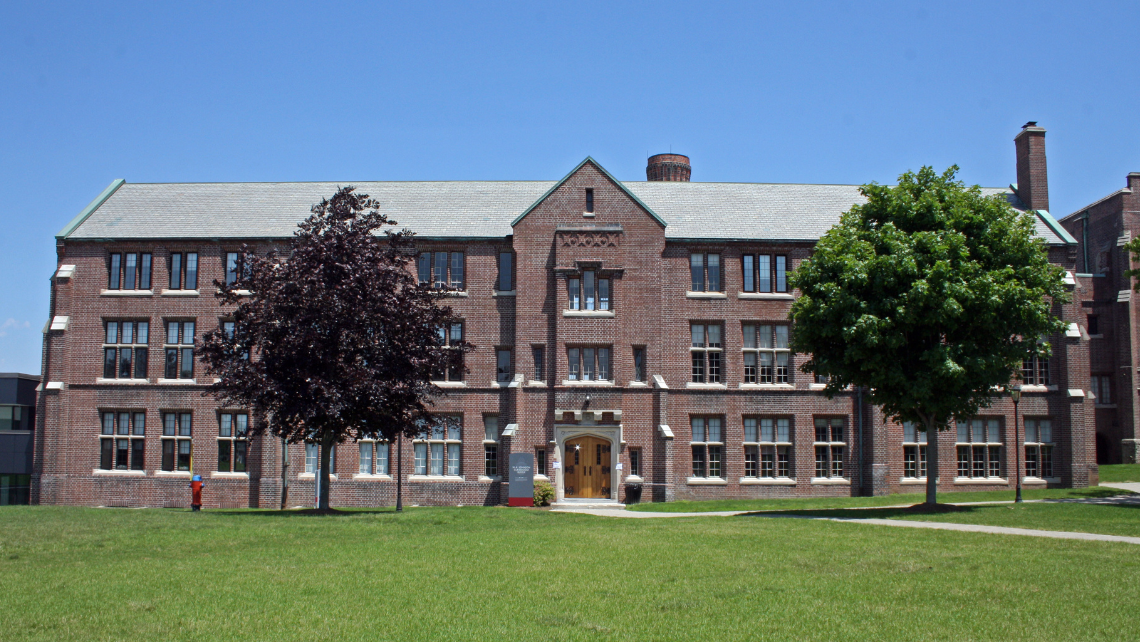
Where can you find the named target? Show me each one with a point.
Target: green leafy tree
(929, 296)
(337, 340)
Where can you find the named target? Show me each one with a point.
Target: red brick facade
(652, 307)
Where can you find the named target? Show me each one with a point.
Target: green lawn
(852, 502)
(1120, 473)
(516, 574)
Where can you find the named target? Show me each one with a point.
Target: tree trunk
(326, 456)
(931, 462)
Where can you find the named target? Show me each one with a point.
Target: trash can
(633, 493)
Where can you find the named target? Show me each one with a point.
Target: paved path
(1132, 486)
(971, 528)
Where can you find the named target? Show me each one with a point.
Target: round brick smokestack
(668, 167)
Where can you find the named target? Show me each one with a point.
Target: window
(451, 337)
(588, 364)
(766, 353)
(1035, 371)
(374, 457)
(705, 270)
(122, 441)
(639, 364)
(506, 272)
(706, 352)
(979, 448)
(15, 489)
(829, 447)
(1102, 389)
(539, 355)
(759, 275)
(438, 452)
(540, 461)
(1038, 447)
(233, 431)
(503, 371)
(635, 462)
(184, 271)
(443, 270)
(176, 446)
(313, 458)
(1094, 324)
(822, 379)
(914, 451)
(767, 447)
(708, 446)
(179, 349)
(129, 271)
(491, 445)
(125, 349)
(234, 267)
(589, 199)
(588, 292)
(16, 418)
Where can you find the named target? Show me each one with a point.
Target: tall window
(1038, 447)
(233, 432)
(503, 371)
(538, 354)
(125, 349)
(123, 440)
(635, 462)
(705, 270)
(829, 447)
(450, 337)
(589, 292)
(708, 446)
(234, 267)
(979, 448)
(184, 271)
(767, 447)
(179, 349)
(374, 456)
(438, 453)
(766, 353)
(764, 272)
(129, 271)
(588, 364)
(1035, 371)
(491, 445)
(176, 445)
(1102, 389)
(914, 451)
(506, 271)
(442, 270)
(1094, 324)
(590, 199)
(706, 352)
(639, 364)
(540, 461)
(313, 458)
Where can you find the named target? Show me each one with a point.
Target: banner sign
(521, 477)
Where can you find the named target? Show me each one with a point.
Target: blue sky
(832, 92)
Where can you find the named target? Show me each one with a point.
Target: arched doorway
(587, 472)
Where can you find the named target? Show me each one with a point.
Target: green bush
(543, 493)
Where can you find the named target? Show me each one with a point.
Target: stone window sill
(767, 386)
(120, 473)
(817, 386)
(179, 293)
(830, 481)
(706, 481)
(122, 382)
(497, 293)
(540, 477)
(435, 478)
(705, 295)
(461, 294)
(238, 292)
(638, 384)
(588, 314)
(634, 479)
(765, 296)
(492, 478)
(705, 386)
(177, 382)
(126, 293)
(450, 384)
(536, 384)
(592, 382)
(314, 476)
(979, 481)
(1036, 388)
(767, 481)
(221, 474)
(173, 474)
(371, 477)
(1041, 480)
(912, 481)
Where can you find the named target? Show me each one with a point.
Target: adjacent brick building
(632, 335)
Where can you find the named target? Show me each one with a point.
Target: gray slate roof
(469, 209)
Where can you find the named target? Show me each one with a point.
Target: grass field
(516, 574)
(1120, 473)
(885, 500)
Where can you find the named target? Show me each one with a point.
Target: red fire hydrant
(196, 492)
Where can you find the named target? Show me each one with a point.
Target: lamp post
(1015, 394)
(399, 473)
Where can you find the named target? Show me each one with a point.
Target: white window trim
(221, 474)
(633, 479)
(979, 481)
(190, 293)
(597, 314)
(126, 293)
(121, 473)
(495, 293)
(119, 382)
(185, 474)
(767, 481)
(777, 480)
(772, 386)
(313, 476)
(705, 295)
(490, 478)
(435, 478)
(177, 382)
(706, 481)
(766, 296)
(450, 384)
(371, 477)
(591, 382)
(830, 481)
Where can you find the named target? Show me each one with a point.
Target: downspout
(284, 472)
(859, 405)
(1085, 241)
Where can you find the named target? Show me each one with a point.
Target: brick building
(1110, 313)
(627, 333)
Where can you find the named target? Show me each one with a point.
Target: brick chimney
(668, 167)
(1032, 177)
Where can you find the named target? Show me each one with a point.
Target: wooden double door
(587, 474)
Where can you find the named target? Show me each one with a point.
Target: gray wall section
(15, 453)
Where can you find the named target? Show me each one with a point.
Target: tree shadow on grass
(308, 512)
(867, 513)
